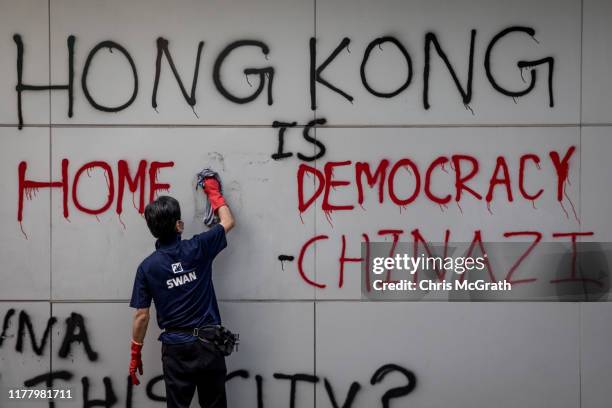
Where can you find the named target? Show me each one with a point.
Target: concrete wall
(69, 268)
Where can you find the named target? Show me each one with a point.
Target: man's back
(178, 277)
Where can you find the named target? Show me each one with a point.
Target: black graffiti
(355, 387)
(129, 395)
(162, 49)
(148, 390)
(313, 140)
(48, 379)
(429, 40)
(285, 258)
(315, 72)
(366, 56)
(259, 384)
(280, 151)
(26, 323)
(350, 396)
(150, 385)
(551, 67)
(76, 332)
(266, 74)
(109, 400)
(466, 94)
(238, 373)
(5, 324)
(397, 392)
(110, 45)
(294, 378)
(25, 87)
(521, 65)
(262, 72)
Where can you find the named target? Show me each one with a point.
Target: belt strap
(194, 331)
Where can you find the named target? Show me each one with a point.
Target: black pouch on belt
(226, 341)
(223, 339)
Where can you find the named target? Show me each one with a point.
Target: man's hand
(213, 191)
(139, 329)
(135, 362)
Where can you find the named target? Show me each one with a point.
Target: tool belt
(224, 340)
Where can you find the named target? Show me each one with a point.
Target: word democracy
(424, 179)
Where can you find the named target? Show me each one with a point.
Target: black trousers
(194, 365)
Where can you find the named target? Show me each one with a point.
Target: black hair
(162, 215)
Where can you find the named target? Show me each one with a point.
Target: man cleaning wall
(178, 278)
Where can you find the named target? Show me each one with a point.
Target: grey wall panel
(20, 360)
(24, 247)
(109, 353)
(463, 355)
(596, 60)
(30, 20)
(596, 175)
(595, 359)
(466, 355)
(269, 223)
(557, 34)
(276, 340)
(262, 353)
(596, 197)
(462, 218)
(284, 27)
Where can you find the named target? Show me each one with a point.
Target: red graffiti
(418, 239)
(460, 179)
(134, 183)
(300, 264)
(379, 174)
(573, 278)
(332, 183)
(522, 165)
(537, 238)
(477, 248)
(26, 187)
(386, 179)
(70, 185)
(413, 169)
(562, 169)
(110, 185)
(440, 161)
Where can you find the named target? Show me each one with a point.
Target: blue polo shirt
(178, 278)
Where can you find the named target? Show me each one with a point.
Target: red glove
(135, 362)
(213, 191)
